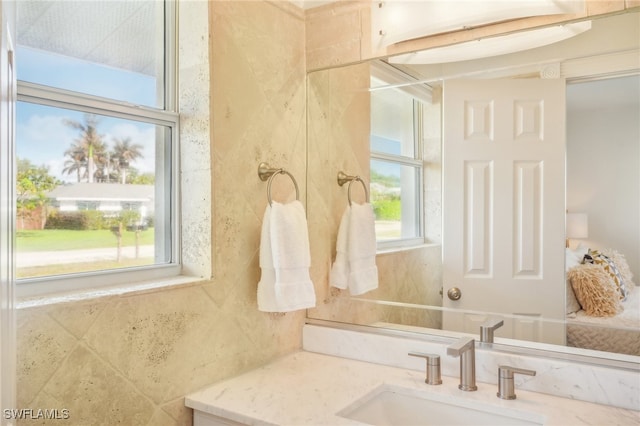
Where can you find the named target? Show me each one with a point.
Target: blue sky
(387, 146)
(41, 134)
(55, 70)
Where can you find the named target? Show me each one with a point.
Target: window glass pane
(395, 200)
(89, 192)
(112, 49)
(392, 123)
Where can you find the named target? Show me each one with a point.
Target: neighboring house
(105, 197)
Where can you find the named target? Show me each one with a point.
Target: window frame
(417, 162)
(168, 117)
(396, 78)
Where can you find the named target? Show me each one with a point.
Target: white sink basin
(391, 405)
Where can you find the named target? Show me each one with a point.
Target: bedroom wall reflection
(410, 280)
(603, 181)
(602, 131)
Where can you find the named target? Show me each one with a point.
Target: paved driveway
(42, 258)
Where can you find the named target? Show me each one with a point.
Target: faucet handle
(460, 346)
(506, 387)
(487, 329)
(433, 376)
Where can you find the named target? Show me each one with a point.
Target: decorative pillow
(595, 257)
(623, 267)
(595, 290)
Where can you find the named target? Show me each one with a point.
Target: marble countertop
(307, 388)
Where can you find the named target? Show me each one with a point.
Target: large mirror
(386, 121)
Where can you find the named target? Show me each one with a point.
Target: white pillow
(572, 259)
(572, 304)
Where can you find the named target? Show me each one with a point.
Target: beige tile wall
(130, 360)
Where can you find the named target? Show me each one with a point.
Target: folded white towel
(363, 274)
(355, 265)
(340, 270)
(285, 284)
(267, 285)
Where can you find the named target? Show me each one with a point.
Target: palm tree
(125, 152)
(77, 161)
(90, 141)
(106, 167)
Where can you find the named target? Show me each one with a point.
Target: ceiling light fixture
(493, 46)
(394, 21)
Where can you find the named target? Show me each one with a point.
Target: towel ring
(267, 173)
(344, 178)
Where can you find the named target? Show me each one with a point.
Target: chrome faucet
(465, 348)
(487, 329)
(506, 386)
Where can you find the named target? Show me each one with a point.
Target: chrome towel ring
(266, 173)
(344, 178)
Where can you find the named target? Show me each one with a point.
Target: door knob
(454, 293)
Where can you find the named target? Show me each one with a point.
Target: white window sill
(113, 291)
(400, 249)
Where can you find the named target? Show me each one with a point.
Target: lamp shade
(577, 225)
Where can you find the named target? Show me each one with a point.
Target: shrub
(90, 220)
(387, 209)
(67, 220)
(94, 219)
(79, 220)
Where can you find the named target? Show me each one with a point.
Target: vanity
(348, 376)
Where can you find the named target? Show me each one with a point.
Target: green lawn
(61, 239)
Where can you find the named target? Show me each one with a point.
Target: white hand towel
(267, 285)
(363, 274)
(355, 265)
(285, 284)
(340, 270)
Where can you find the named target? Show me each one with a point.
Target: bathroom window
(96, 143)
(396, 165)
